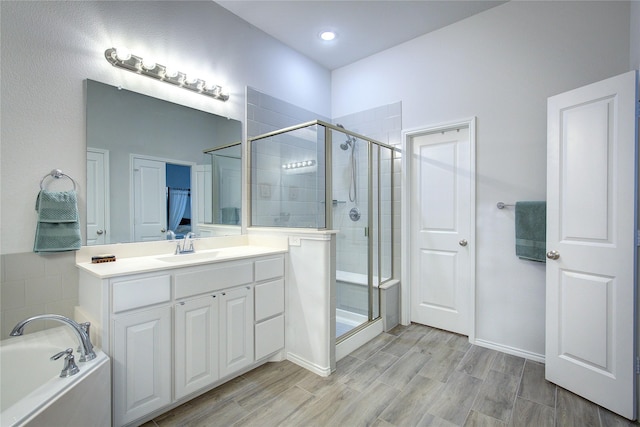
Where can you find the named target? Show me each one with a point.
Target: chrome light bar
(121, 58)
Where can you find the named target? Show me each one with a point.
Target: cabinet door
(196, 349)
(236, 329)
(142, 363)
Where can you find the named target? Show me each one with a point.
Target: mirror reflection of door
(161, 199)
(97, 196)
(149, 199)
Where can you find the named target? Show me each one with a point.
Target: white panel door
(441, 229)
(97, 196)
(591, 193)
(149, 199)
(196, 348)
(236, 329)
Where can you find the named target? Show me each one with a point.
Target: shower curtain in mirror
(178, 198)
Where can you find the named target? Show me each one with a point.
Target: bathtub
(32, 392)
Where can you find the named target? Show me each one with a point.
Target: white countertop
(145, 264)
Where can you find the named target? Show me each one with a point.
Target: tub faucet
(70, 367)
(86, 348)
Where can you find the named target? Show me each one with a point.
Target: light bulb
(171, 72)
(123, 54)
(148, 64)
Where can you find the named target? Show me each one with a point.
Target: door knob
(99, 232)
(162, 230)
(463, 242)
(553, 254)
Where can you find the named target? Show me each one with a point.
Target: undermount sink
(195, 256)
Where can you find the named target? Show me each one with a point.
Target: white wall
(499, 66)
(49, 48)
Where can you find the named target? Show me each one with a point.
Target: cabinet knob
(181, 303)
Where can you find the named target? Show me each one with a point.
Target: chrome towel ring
(57, 174)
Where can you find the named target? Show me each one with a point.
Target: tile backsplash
(34, 284)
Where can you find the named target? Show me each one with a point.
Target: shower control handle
(463, 242)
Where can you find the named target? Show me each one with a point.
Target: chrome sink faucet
(86, 347)
(187, 244)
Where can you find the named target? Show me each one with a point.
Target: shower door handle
(463, 242)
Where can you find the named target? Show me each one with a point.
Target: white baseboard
(510, 350)
(323, 372)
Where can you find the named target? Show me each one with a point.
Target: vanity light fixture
(122, 58)
(298, 165)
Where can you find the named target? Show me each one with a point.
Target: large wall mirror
(156, 169)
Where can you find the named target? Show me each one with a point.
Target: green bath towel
(58, 227)
(57, 206)
(531, 230)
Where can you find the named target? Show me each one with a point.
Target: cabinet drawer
(269, 299)
(269, 336)
(269, 268)
(141, 292)
(212, 279)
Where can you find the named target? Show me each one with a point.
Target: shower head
(349, 142)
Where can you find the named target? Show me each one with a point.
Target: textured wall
(499, 66)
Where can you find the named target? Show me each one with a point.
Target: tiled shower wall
(383, 124)
(282, 198)
(36, 284)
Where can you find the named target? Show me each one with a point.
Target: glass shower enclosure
(317, 175)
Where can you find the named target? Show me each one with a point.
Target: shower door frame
(328, 213)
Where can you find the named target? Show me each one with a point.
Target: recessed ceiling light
(327, 35)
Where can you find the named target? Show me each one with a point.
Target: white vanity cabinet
(269, 307)
(142, 363)
(213, 338)
(141, 345)
(236, 330)
(182, 330)
(196, 352)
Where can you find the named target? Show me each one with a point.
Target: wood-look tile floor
(411, 376)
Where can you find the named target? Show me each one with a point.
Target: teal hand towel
(57, 206)
(57, 237)
(531, 230)
(58, 227)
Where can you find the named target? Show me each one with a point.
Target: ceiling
(363, 27)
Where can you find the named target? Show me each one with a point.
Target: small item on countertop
(97, 259)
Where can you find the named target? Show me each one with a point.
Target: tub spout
(86, 347)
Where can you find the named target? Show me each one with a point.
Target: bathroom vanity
(176, 326)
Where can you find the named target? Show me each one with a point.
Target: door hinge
(638, 238)
(637, 365)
